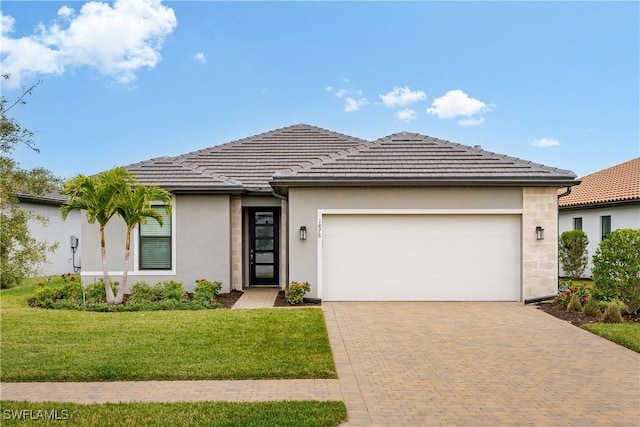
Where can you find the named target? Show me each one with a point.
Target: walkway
(257, 298)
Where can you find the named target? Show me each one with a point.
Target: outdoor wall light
(539, 233)
(303, 233)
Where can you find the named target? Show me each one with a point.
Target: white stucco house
(63, 259)
(604, 201)
(406, 217)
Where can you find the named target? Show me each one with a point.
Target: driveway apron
(430, 363)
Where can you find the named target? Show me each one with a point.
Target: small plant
(46, 296)
(613, 313)
(582, 289)
(572, 251)
(95, 292)
(143, 292)
(206, 291)
(575, 303)
(171, 290)
(295, 292)
(592, 308)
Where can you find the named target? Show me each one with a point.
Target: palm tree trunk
(105, 271)
(127, 254)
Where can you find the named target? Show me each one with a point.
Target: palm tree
(99, 196)
(135, 207)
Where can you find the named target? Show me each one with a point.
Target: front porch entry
(263, 246)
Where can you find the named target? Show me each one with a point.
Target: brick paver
(477, 364)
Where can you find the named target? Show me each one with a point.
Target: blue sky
(551, 82)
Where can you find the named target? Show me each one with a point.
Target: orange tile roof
(615, 184)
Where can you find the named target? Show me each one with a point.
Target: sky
(555, 83)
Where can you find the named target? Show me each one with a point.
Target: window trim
(136, 248)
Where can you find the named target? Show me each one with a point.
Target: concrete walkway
(429, 364)
(257, 298)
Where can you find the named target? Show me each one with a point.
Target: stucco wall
(621, 217)
(305, 202)
(56, 230)
(201, 245)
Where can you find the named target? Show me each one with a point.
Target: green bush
(143, 292)
(295, 292)
(46, 296)
(592, 308)
(171, 290)
(612, 314)
(581, 289)
(616, 267)
(71, 291)
(573, 254)
(206, 291)
(95, 294)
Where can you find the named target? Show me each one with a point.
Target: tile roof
(411, 157)
(54, 198)
(620, 183)
(246, 163)
(304, 153)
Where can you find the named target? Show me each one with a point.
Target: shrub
(575, 303)
(592, 308)
(572, 251)
(95, 294)
(613, 313)
(171, 290)
(582, 289)
(71, 291)
(295, 292)
(616, 267)
(143, 292)
(46, 296)
(206, 291)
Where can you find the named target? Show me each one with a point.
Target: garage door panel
(421, 257)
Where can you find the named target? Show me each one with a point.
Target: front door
(264, 230)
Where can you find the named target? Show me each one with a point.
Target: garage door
(421, 258)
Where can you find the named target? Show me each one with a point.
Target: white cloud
(352, 105)
(345, 80)
(406, 115)
(341, 92)
(117, 40)
(401, 96)
(199, 57)
(328, 89)
(545, 142)
(471, 122)
(456, 103)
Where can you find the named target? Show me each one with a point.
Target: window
(577, 223)
(605, 225)
(155, 242)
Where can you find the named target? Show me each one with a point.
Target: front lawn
(65, 345)
(625, 334)
(177, 414)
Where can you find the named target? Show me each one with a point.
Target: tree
(20, 253)
(135, 208)
(99, 196)
(616, 267)
(572, 250)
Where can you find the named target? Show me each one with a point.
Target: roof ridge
(635, 159)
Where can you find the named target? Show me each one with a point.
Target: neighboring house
(405, 217)
(604, 201)
(56, 230)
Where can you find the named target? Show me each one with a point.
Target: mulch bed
(228, 300)
(575, 317)
(280, 302)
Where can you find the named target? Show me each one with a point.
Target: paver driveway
(477, 364)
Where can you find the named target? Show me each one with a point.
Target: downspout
(566, 193)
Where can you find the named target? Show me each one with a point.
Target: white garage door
(421, 258)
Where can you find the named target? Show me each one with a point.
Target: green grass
(64, 345)
(183, 414)
(625, 334)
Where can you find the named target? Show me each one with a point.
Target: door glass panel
(264, 271)
(264, 231)
(264, 244)
(264, 218)
(264, 257)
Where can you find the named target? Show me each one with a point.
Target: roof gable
(411, 157)
(620, 183)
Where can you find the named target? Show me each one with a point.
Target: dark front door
(264, 229)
